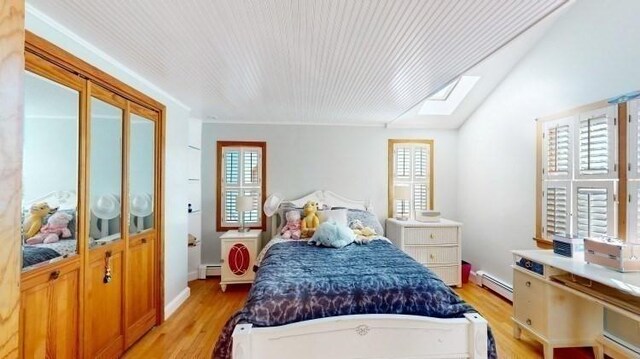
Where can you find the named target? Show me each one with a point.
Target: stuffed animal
(57, 227)
(292, 228)
(33, 222)
(332, 234)
(310, 222)
(363, 234)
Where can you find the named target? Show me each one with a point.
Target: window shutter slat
(559, 150)
(232, 167)
(403, 162)
(594, 146)
(592, 212)
(557, 208)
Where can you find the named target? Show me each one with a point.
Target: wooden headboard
(322, 197)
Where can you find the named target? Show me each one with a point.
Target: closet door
(104, 271)
(50, 280)
(140, 308)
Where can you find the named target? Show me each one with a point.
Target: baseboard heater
(209, 270)
(485, 279)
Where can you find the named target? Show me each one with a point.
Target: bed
(317, 302)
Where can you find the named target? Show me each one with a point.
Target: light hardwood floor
(193, 330)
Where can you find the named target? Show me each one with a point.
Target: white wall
(589, 54)
(175, 196)
(351, 161)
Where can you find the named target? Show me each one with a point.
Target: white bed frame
(362, 336)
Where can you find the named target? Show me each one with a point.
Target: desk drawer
(446, 235)
(433, 254)
(529, 302)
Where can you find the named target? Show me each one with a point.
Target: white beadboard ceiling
(299, 61)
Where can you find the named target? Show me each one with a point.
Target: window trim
(430, 181)
(263, 186)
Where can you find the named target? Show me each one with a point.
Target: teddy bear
(56, 228)
(33, 222)
(310, 222)
(292, 228)
(363, 234)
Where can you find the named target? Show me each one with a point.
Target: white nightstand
(436, 245)
(239, 251)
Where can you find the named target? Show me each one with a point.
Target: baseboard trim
(209, 270)
(475, 279)
(176, 303)
(192, 276)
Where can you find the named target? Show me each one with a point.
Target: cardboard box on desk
(617, 255)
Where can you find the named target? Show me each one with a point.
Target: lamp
(244, 204)
(402, 193)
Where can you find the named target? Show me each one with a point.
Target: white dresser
(239, 252)
(436, 245)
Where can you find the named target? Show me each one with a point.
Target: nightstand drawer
(449, 274)
(444, 235)
(529, 302)
(433, 255)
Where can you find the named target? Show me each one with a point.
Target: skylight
(444, 92)
(447, 100)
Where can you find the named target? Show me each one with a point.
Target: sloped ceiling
(299, 61)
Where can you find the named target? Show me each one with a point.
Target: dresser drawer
(450, 275)
(529, 302)
(433, 254)
(444, 235)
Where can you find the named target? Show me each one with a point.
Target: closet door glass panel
(50, 171)
(141, 174)
(105, 166)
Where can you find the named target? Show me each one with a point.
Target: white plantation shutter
(558, 148)
(594, 209)
(241, 173)
(556, 209)
(412, 167)
(596, 140)
(633, 212)
(633, 139)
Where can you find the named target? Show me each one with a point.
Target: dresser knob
(432, 236)
(528, 321)
(431, 256)
(54, 275)
(528, 284)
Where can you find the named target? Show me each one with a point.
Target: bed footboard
(365, 336)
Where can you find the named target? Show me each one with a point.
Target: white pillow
(337, 215)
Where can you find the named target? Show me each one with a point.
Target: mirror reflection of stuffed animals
(310, 222)
(33, 223)
(57, 228)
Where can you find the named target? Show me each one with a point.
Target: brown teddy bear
(33, 222)
(310, 222)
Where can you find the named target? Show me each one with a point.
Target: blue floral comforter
(297, 282)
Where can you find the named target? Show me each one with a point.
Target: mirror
(105, 167)
(50, 171)
(141, 174)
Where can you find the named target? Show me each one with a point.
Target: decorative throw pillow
(368, 219)
(337, 215)
(332, 234)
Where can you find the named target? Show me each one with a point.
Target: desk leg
(598, 351)
(516, 331)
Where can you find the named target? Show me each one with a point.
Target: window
(411, 165)
(241, 171)
(579, 179)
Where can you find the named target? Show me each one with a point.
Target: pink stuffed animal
(292, 228)
(56, 228)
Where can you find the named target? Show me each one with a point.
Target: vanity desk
(566, 302)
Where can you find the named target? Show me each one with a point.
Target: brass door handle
(143, 240)
(55, 274)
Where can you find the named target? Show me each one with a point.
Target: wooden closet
(98, 289)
